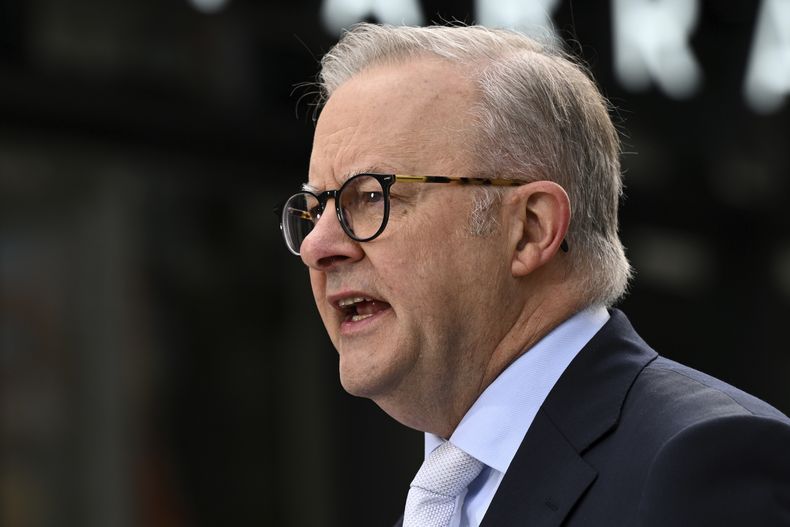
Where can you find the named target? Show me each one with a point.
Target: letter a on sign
(532, 17)
(340, 14)
(768, 74)
(651, 42)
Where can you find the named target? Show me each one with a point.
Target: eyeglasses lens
(299, 216)
(362, 206)
(362, 211)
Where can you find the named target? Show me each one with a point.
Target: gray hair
(539, 116)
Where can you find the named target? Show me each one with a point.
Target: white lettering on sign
(531, 17)
(339, 14)
(768, 73)
(651, 42)
(209, 6)
(651, 38)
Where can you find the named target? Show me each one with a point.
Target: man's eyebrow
(372, 169)
(307, 187)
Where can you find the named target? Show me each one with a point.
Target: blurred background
(161, 360)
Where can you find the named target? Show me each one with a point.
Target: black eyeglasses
(362, 205)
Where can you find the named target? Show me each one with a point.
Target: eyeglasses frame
(386, 181)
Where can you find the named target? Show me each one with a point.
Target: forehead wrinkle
(336, 148)
(348, 150)
(398, 119)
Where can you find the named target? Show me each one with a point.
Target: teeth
(351, 301)
(357, 318)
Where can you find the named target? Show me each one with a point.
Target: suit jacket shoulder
(630, 438)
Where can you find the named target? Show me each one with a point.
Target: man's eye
(373, 197)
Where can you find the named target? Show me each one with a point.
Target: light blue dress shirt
(495, 425)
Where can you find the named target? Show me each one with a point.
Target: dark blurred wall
(161, 361)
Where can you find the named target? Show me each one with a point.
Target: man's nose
(328, 245)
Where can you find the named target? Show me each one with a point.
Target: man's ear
(540, 213)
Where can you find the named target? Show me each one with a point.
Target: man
(460, 227)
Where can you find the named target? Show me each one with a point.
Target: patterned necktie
(444, 475)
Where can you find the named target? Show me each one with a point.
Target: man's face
(438, 293)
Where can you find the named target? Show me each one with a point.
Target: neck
(534, 322)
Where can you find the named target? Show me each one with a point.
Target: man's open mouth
(359, 308)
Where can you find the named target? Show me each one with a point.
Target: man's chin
(368, 384)
(367, 388)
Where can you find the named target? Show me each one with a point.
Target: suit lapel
(548, 475)
(554, 476)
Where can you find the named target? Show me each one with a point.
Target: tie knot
(447, 471)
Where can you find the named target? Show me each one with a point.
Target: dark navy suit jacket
(627, 437)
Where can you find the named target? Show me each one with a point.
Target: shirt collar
(495, 425)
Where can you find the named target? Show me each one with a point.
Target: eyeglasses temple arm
(479, 181)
